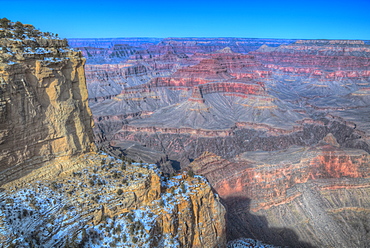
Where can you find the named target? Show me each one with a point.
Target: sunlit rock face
(44, 109)
(279, 128)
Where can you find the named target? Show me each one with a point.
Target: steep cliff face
(44, 110)
(56, 189)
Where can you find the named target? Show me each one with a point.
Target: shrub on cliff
(4, 22)
(119, 192)
(18, 29)
(183, 188)
(18, 25)
(3, 50)
(190, 173)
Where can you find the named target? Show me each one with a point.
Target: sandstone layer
(44, 110)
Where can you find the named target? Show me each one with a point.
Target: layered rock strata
(111, 51)
(299, 197)
(325, 59)
(44, 110)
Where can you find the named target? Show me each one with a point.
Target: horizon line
(213, 37)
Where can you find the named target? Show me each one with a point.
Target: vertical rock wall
(43, 108)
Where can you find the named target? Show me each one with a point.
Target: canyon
(183, 142)
(56, 188)
(280, 128)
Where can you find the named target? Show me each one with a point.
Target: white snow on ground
(248, 243)
(53, 59)
(58, 213)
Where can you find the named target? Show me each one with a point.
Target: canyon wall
(110, 50)
(44, 110)
(298, 197)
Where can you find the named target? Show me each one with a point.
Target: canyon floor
(280, 128)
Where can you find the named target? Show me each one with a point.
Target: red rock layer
(308, 60)
(204, 86)
(177, 82)
(196, 95)
(316, 71)
(325, 59)
(268, 184)
(334, 164)
(207, 68)
(271, 131)
(223, 66)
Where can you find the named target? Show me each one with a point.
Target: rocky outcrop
(207, 68)
(196, 95)
(107, 81)
(244, 88)
(186, 144)
(44, 110)
(206, 86)
(223, 65)
(113, 54)
(98, 200)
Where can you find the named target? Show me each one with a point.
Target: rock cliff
(44, 110)
(56, 189)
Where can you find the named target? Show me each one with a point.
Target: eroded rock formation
(44, 110)
(95, 199)
(299, 192)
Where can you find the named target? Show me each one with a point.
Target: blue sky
(296, 19)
